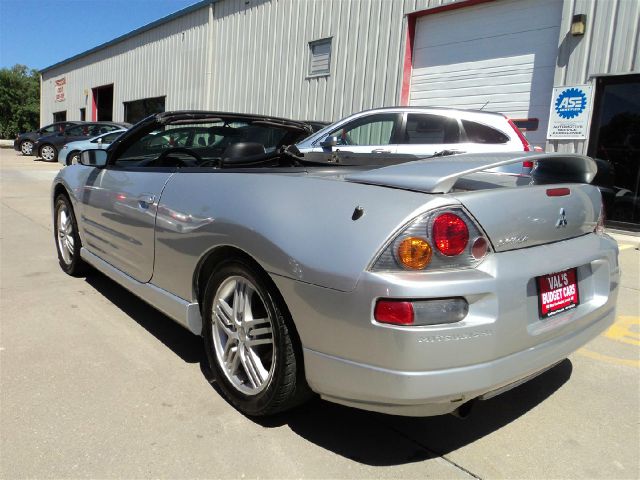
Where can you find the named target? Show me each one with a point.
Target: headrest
(242, 152)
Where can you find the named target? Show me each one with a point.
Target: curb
(626, 237)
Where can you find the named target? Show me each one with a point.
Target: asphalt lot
(96, 383)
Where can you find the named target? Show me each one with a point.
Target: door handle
(145, 200)
(380, 150)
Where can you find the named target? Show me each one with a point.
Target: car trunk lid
(533, 215)
(515, 211)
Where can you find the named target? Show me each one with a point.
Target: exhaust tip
(464, 410)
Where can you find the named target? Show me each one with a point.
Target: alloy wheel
(26, 147)
(65, 234)
(48, 153)
(243, 335)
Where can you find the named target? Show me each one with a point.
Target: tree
(19, 100)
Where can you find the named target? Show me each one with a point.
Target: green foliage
(19, 100)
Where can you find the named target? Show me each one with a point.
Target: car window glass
(98, 129)
(370, 130)
(78, 130)
(430, 129)
(478, 133)
(202, 138)
(49, 129)
(110, 137)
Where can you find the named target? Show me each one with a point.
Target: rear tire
(73, 158)
(250, 341)
(68, 244)
(48, 153)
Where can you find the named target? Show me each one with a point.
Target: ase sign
(569, 116)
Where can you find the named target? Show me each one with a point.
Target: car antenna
(482, 108)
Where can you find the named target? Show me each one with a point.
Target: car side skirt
(183, 312)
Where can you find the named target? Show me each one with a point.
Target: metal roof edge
(133, 33)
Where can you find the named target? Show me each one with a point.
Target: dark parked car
(24, 141)
(48, 147)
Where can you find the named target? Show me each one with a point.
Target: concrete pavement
(95, 383)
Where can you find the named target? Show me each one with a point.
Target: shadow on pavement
(382, 440)
(177, 338)
(365, 437)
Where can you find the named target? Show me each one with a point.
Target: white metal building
(325, 59)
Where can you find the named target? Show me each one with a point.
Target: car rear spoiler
(439, 175)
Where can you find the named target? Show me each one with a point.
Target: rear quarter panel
(296, 226)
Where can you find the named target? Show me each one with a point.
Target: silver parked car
(414, 288)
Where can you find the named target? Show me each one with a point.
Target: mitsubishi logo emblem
(562, 219)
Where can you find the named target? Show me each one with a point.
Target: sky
(40, 33)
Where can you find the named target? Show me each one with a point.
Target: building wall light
(578, 24)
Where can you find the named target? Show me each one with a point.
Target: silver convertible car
(400, 285)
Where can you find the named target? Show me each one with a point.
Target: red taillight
(523, 139)
(450, 234)
(558, 192)
(394, 312)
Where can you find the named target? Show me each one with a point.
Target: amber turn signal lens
(414, 253)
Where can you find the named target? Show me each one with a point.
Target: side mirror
(99, 141)
(329, 142)
(94, 158)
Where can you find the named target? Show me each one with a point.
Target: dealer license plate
(557, 292)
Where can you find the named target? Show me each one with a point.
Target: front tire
(26, 147)
(250, 342)
(48, 153)
(67, 238)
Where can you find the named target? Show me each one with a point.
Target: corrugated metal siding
(261, 57)
(259, 60)
(254, 57)
(170, 60)
(609, 46)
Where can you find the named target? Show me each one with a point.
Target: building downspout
(209, 74)
(41, 103)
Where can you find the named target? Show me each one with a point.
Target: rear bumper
(430, 370)
(441, 391)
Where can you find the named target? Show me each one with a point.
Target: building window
(60, 116)
(320, 57)
(83, 114)
(139, 109)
